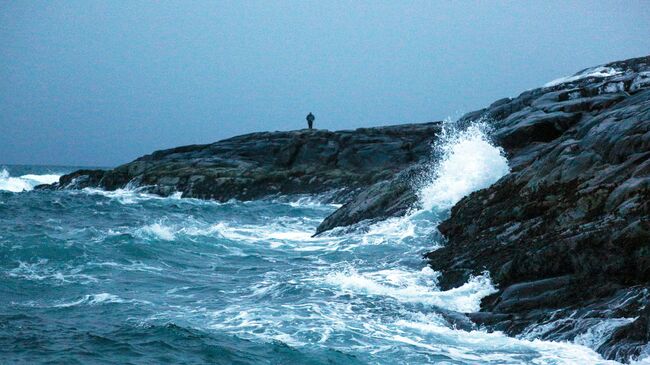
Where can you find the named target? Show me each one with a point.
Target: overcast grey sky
(101, 83)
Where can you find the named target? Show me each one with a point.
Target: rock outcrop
(566, 235)
(264, 164)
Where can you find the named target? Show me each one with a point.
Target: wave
(468, 162)
(24, 182)
(99, 299)
(409, 286)
(253, 271)
(130, 195)
(41, 271)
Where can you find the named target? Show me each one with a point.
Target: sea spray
(466, 161)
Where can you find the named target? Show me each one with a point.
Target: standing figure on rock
(310, 120)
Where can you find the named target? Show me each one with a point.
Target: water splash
(24, 182)
(468, 162)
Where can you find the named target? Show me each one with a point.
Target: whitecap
(408, 286)
(24, 182)
(158, 231)
(41, 271)
(99, 299)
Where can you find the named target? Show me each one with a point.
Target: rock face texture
(566, 235)
(257, 165)
(392, 197)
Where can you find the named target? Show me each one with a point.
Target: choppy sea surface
(123, 277)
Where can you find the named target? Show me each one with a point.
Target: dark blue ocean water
(94, 277)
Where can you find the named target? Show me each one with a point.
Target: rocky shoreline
(259, 165)
(565, 235)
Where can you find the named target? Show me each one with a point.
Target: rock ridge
(258, 165)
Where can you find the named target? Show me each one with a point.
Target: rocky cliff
(264, 164)
(565, 235)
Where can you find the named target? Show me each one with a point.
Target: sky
(99, 83)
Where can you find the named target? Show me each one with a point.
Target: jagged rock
(384, 199)
(566, 235)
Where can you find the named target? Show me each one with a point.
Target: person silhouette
(310, 120)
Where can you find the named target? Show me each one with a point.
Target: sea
(124, 277)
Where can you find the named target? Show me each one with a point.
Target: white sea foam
(127, 195)
(92, 299)
(468, 162)
(409, 286)
(481, 347)
(280, 233)
(99, 299)
(41, 270)
(157, 230)
(131, 266)
(24, 182)
(600, 332)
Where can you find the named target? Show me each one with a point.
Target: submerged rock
(565, 235)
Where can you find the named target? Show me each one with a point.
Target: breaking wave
(25, 182)
(468, 162)
(131, 271)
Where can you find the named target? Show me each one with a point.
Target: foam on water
(253, 271)
(600, 332)
(93, 299)
(157, 230)
(129, 194)
(409, 286)
(99, 299)
(24, 182)
(41, 271)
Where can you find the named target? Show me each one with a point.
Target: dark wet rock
(628, 339)
(565, 235)
(76, 180)
(257, 165)
(384, 199)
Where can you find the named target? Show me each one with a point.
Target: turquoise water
(123, 277)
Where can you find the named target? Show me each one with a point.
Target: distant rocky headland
(258, 165)
(565, 235)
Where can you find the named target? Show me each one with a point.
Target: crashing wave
(468, 162)
(24, 182)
